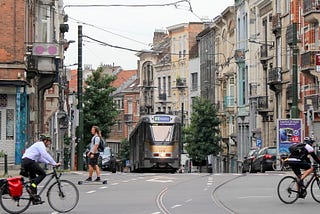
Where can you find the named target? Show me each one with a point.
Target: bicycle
(281, 164)
(62, 195)
(289, 191)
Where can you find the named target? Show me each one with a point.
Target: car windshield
(251, 152)
(107, 151)
(272, 151)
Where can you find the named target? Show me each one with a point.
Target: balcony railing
(262, 102)
(308, 60)
(128, 118)
(275, 76)
(311, 6)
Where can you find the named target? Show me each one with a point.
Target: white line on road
(115, 184)
(189, 200)
(175, 206)
(103, 187)
(156, 213)
(93, 191)
(255, 196)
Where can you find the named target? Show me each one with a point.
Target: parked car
(247, 160)
(264, 159)
(106, 160)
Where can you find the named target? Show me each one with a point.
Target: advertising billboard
(289, 131)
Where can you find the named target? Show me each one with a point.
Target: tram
(155, 144)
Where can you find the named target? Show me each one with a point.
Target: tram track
(220, 203)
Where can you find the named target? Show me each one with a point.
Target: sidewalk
(13, 170)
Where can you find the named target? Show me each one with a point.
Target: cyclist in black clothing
(303, 162)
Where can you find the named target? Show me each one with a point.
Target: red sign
(318, 63)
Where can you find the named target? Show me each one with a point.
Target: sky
(129, 27)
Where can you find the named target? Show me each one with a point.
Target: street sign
(259, 142)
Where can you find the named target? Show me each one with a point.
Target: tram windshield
(162, 133)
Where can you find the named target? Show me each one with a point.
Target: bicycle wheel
(288, 190)
(14, 205)
(315, 190)
(63, 196)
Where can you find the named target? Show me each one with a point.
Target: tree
(98, 106)
(203, 135)
(124, 150)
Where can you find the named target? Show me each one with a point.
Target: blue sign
(162, 118)
(259, 142)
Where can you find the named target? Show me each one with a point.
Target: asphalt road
(131, 193)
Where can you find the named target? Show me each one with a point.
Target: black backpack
(298, 150)
(101, 145)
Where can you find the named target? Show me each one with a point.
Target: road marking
(93, 191)
(175, 206)
(189, 200)
(254, 196)
(103, 187)
(156, 213)
(114, 184)
(160, 181)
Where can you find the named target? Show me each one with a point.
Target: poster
(289, 131)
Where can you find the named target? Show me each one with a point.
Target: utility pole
(80, 105)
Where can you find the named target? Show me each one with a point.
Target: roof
(123, 76)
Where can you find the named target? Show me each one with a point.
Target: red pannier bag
(15, 186)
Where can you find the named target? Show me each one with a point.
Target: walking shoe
(89, 179)
(98, 179)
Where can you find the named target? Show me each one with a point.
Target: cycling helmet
(308, 140)
(45, 137)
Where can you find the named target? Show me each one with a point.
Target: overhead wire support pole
(80, 101)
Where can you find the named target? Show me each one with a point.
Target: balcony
(147, 83)
(276, 24)
(262, 103)
(311, 11)
(128, 118)
(308, 60)
(274, 76)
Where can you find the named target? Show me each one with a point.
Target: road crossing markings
(113, 184)
(104, 187)
(92, 191)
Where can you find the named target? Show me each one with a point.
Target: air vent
(45, 49)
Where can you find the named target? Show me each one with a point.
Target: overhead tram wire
(129, 5)
(100, 28)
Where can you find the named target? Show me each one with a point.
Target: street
(203, 193)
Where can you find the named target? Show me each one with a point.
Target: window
(194, 81)
(45, 29)
(164, 85)
(129, 107)
(3, 100)
(169, 85)
(119, 124)
(159, 85)
(10, 124)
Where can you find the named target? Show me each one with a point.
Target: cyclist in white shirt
(35, 154)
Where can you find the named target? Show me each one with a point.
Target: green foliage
(203, 135)
(124, 150)
(98, 106)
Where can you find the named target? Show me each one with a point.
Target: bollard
(5, 164)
